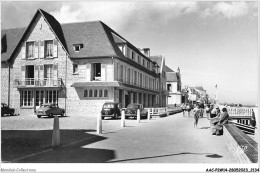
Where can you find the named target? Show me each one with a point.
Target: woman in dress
(196, 113)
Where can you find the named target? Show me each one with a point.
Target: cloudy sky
(212, 42)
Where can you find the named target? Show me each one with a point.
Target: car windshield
(45, 106)
(108, 106)
(133, 106)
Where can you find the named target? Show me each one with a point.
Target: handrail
(240, 111)
(33, 82)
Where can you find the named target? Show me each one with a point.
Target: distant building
(163, 93)
(173, 84)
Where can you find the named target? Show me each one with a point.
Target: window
(95, 93)
(49, 48)
(135, 81)
(51, 96)
(26, 98)
(133, 55)
(85, 93)
(148, 66)
(144, 62)
(100, 93)
(75, 68)
(90, 93)
(48, 71)
(96, 71)
(141, 80)
(105, 93)
(169, 87)
(121, 73)
(77, 47)
(30, 50)
(128, 75)
(39, 95)
(139, 59)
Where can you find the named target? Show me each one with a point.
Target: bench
(244, 148)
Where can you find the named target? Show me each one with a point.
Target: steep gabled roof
(12, 39)
(92, 36)
(20, 34)
(168, 69)
(56, 27)
(199, 88)
(172, 77)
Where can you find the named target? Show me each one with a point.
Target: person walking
(196, 112)
(188, 108)
(183, 109)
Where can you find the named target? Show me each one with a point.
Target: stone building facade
(78, 66)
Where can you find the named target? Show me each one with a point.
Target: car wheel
(50, 115)
(103, 118)
(116, 116)
(39, 116)
(62, 114)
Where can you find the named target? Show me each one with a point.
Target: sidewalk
(162, 140)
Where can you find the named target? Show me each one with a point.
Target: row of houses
(80, 66)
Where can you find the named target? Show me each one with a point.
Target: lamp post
(216, 96)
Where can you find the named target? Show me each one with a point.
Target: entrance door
(126, 100)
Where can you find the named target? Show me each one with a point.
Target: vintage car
(49, 109)
(6, 110)
(131, 111)
(111, 109)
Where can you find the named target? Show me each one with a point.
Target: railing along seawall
(240, 111)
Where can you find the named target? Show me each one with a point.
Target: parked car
(6, 110)
(111, 109)
(131, 111)
(49, 109)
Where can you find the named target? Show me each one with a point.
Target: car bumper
(130, 115)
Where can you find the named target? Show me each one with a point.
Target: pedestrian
(196, 112)
(253, 121)
(208, 111)
(201, 107)
(223, 119)
(188, 108)
(183, 109)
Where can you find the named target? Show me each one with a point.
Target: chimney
(145, 51)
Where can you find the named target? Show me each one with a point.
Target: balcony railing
(31, 82)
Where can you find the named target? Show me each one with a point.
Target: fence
(162, 111)
(234, 111)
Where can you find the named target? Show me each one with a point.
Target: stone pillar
(137, 97)
(123, 98)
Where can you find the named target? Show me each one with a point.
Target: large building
(79, 66)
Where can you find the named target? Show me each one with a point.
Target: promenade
(171, 139)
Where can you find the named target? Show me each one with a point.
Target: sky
(212, 42)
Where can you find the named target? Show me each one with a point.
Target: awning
(95, 83)
(110, 84)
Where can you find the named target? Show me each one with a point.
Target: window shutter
(55, 74)
(41, 74)
(23, 50)
(36, 72)
(23, 73)
(55, 48)
(88, 72)
(36, 48)
(42, 50)
(103, 72)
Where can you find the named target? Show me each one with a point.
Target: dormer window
(77, 47)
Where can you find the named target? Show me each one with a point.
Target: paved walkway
(161, 140)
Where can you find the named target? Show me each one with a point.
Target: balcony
(31, 82)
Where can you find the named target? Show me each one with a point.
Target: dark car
(49, 109)
(131, 111)
(111, 109)
(6, 110)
